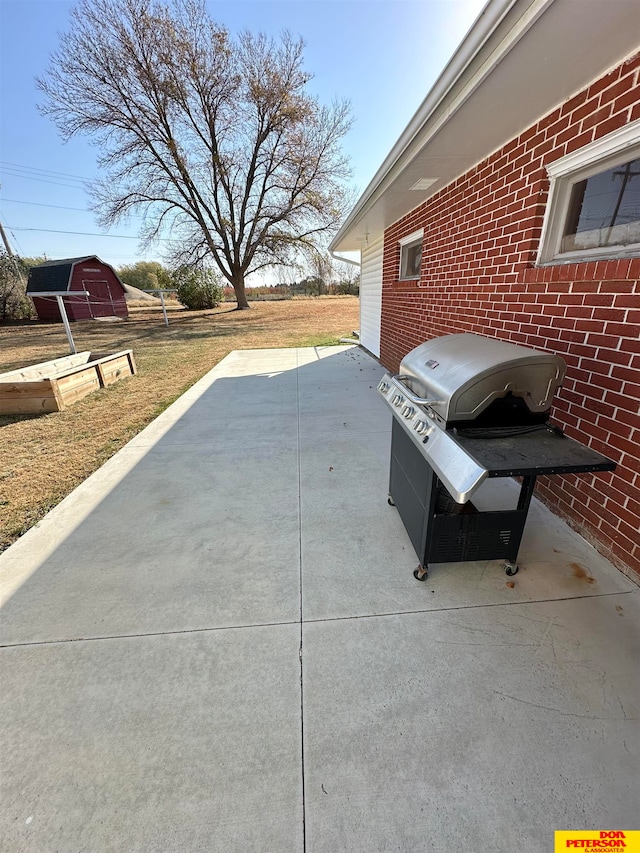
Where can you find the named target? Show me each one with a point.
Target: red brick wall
(481, 236)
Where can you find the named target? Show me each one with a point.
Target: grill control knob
(420, 427)
(384, 387)
(408, 411)
(398, 400)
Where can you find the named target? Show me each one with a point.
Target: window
(411, 255)
(594, 201)
(604, 210)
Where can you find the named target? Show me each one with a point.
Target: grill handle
(419, 401)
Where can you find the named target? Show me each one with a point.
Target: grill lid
(461, 375)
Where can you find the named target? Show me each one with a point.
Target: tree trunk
(238, 288)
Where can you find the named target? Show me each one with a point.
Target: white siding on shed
(371, 295)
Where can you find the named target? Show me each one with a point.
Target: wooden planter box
(53, 385)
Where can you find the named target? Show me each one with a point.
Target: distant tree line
(146, 275)
(202, 287)
(310, 286)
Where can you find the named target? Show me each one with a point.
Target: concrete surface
(216, 644)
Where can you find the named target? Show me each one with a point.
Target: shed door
(101, 299)
(371, 295)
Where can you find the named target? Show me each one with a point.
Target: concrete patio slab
(172, 742)
(350, 578)
(477, 729)
(168, 549)
(216, 643)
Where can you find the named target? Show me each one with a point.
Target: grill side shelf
(543, 452)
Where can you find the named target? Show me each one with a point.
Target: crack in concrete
(320, 621)
(564, 713)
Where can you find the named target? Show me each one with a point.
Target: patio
(216, 643)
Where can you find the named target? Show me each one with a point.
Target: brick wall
(481, 235)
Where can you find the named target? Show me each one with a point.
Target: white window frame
(611, 150)
(405, 243)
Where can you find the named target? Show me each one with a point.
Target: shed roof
(55, 276)
(67, 261)
(519, 61)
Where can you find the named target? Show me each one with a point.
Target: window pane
(604, 210)
(410, 257)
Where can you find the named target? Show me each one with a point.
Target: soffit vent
(423, 184)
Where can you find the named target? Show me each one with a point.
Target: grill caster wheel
(511, 569)
(420, 574)
(391, 501)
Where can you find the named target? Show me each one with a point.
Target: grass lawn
(45, 457)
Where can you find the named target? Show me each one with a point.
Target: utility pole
(7, 246)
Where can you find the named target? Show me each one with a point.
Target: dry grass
(43, 458)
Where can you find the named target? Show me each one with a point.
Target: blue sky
(382, 55)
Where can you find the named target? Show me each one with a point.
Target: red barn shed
(90, 287)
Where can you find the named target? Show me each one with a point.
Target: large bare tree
(216, 141)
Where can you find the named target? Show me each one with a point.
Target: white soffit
(520, 60)
(424, 183)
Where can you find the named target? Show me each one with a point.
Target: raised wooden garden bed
(53, 385)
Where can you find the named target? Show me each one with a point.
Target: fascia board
(410, 142)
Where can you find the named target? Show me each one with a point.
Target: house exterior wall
(371, 296)
(481, 236)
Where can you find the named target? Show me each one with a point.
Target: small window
(594, 201)
(411, 255)
(604, 210)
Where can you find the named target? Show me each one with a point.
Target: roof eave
(480, 32)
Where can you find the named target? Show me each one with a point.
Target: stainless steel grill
(458, 377)
(468, 380)
(466, 408)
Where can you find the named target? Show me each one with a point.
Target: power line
(40, 204)
(44, 176)
(43, 171)
(42, 180)
(80, 233)
(17, 242)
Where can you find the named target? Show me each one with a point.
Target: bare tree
(215, 141)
